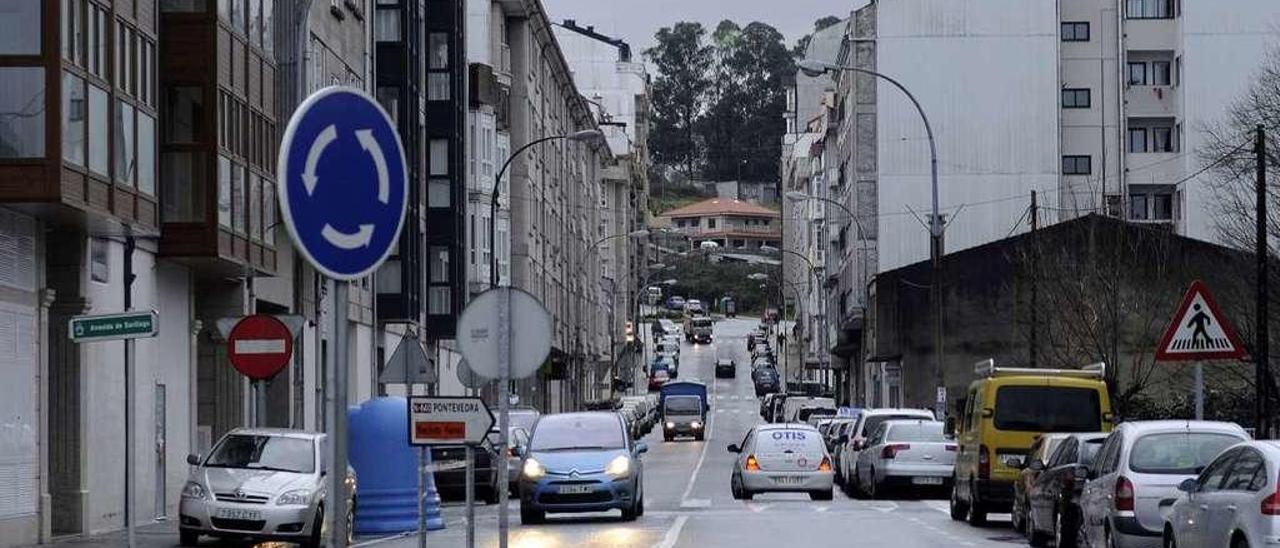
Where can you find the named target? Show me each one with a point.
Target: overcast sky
(636, 21)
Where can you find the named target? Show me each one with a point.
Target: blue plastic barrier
(387, 469)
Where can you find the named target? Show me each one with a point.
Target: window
(124, 57)
(74, 111)
(22, 102)
(1075, 32)
(1137, 73)
(183, 182)
(1211, 478)
(437, 50)
(146, 154)
(182, 6)
(224, 9)
(238, 217)
(184, 106)
(389, 100)
(1177, 71)
(438, 193)
(1162, 207)
(73, 31)
(126, 159)
(1149, 9)
(255, 23)
(386, 24)
(1245, 472)
(99, 260)
(1177, 453)
(268, 30)
(1161, 74)
(237, 15)
(96, 40)
(1076, 98)
(711, 223)
(255, 206)
(99, 160)
(1162, 139)
(268, 212)
(224, 192)
(1137, 139)
(1077, 165)
(438, 86)
(1047, 409)
(1138, 207)
(20, 27)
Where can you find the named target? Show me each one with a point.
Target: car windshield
(578, 431)
(1089, 450)
(1047, 409)
(924, 431)
(807, 412)
(264, 452)
(684, 405)
(1182, 453)
(522, 418)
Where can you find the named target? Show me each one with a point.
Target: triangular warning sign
(1199, 331)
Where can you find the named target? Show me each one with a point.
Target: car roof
(785, 426)
(1146, 427)
(894, 411)
(281, 432)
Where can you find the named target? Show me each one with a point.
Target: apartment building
(729, 223)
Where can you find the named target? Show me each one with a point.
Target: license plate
(788, 480)
(926, 480)
(239, 513)
(575, 489)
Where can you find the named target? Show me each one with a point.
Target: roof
(723, 206)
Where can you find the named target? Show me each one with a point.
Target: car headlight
(297, 497)
(671, 424)
(533, 469)
(695, 424)
(619, 467)
(192, 490)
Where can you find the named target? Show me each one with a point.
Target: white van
(791, 408)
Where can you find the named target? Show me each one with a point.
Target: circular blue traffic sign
(343, 182)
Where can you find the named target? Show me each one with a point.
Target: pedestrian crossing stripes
(1205, 343)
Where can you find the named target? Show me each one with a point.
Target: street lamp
(814, 68)
(585, 135)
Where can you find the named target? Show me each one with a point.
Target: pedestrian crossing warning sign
(1199, 331)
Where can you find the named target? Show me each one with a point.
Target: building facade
(729, 223)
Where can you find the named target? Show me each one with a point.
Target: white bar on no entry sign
(260, 346)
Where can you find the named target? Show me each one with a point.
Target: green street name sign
(112, 327)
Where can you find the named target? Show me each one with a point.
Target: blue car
(581, 462)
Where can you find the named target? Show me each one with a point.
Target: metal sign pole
(471, 496)
(260, 401)
(336, 511)
(1199, 389)
(422, 495)
(504, 405)
(130, 354)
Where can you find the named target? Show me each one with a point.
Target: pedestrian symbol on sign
(1199, 331)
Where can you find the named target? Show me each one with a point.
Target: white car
(260, 484)
(1234, 502)
(907, 453)
(781, 458)
(853, 443)
(1139, 466)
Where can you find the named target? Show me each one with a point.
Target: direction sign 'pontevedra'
(442, 420)
(343, 182)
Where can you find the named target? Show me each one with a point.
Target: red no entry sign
(259, 346)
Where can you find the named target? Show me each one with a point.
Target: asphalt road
(687, 497)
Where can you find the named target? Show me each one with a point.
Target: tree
(683, 63)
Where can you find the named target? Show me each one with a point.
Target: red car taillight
(753, 464)
(984, 463)
(891, 451)
(1271, 504)
(1124, 494)
(825, 465)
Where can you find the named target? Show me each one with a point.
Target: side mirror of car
(517, 450)
(642, 448)
(1189, 485)
(859, 445)
(733, 448)
(193, 459)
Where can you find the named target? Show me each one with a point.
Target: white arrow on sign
(443, 420)
(340, 239)
(370, 144)
(309, 179)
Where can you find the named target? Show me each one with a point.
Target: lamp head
(814, 68)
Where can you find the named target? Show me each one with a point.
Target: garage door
(19, 455)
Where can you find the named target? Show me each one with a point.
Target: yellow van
(1004, 411)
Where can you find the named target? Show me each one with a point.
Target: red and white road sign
(1199, 331)
(259, 346)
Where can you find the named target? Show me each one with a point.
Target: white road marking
(758, 507)
(673, 534)
(939, 505)
(695, 503)
(822, 508)
(886, 507)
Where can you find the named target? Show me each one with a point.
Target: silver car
(1138, 468)
(853, 443)
(259, 483)
(907, 453)
(781, 458)
(1235, 501)
(517, 441)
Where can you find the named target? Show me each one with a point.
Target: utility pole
(1262, 398)
(1035, 277)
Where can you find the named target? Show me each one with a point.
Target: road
(687, 496)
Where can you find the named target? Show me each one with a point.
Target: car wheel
(640, 506)
(735, 487)
(1034, 536)
(530, 516)
(957, 509)
(188, 538)
(1167, 540)
(1017, 517)
(873, 487)
(1239, 541)
(313, 540)
(977, 513)
(700, 437)
(1065, 529)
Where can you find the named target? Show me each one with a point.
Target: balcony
(1151, 34)
(1151, 101)
(1153, 168)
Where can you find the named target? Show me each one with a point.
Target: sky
(636, 21)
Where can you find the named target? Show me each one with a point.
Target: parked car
(1005, 409)
(766, 404)
(799, 407)
(838, 433)
(726, 368)
(671, 329)
(451, 475)
(657, 378)
(523, 417)
(581, 462)
(675, 303)
(694, 307)
(830, 428)
(906, 453)
(1051, 509)
(855, 441)
(791, 451)
(1235, 501)
(1141, 464)
(1041, 448)
(765, 380)
(517, 440)
(260, 484)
